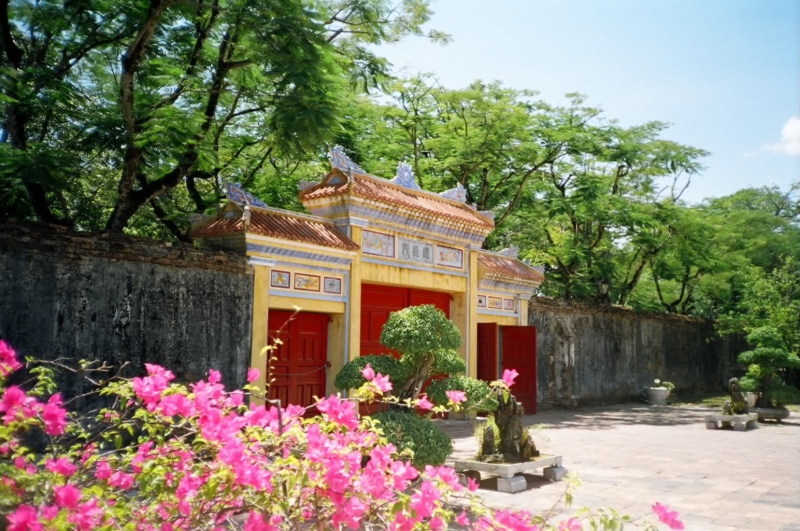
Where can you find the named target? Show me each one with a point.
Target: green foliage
(767, 363)
(447, 362)
(130, 115)
(420, 331)
(350, 376)
(409, 431)
(479, 396)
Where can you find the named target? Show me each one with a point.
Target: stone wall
(121, 299)
(589, 355)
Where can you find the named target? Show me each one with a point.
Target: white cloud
(790, 140)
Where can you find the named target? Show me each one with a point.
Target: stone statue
(737, 405)
(488, 445)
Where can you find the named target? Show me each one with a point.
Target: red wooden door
(487, 351)
(302, 357)
(519, 352)
(377, 302)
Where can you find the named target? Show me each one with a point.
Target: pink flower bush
(424, 404)
(167, 457)
(8, 359)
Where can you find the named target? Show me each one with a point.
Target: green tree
(113, 106)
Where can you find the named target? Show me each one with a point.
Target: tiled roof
(509, 267)
(378, 189)
(281, 224)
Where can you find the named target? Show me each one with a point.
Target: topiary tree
(409, 431)
(766, 364)
(427, 340)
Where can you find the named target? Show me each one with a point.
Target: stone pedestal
(554, 473)
(510, 480)
(512, 485)
(739, 422)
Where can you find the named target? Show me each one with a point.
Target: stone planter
(463, 415)
(771, 413)
(657, 396)
(751, 399)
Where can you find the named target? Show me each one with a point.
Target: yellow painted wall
(472, 365)
(336, 346)
(412, 278)
(288, 302)
(502, 320)
(258, 358)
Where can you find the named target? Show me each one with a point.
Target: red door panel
(299, 370)
(487, 351)
(519, 352)
(377, 302)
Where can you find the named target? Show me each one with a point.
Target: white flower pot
(657, 396)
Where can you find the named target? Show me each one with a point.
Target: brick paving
(630, 456)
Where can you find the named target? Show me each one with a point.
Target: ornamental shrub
(350, 376)
(409, 431)
(479, 396)
(767, 363)
(198, 458)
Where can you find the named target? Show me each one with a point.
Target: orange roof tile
(509, 267)
(281, 224)
(378, 189)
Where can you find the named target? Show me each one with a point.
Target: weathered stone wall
(589, 355)
(122, 299)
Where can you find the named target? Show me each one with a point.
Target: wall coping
(49, 238)
(567, 306)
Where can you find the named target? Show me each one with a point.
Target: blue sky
(725, 73)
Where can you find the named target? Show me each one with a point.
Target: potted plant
(657, 395)
(766, 367)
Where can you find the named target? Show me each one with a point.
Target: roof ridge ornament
(237, 194)
(512, 251)
(305, 185)
(405, 177)
(341, 161)
(459, 193)
(487, 213)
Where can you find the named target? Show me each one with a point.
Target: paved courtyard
(630, 456)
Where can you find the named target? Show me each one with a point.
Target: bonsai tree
(427, 341)
(766, 364)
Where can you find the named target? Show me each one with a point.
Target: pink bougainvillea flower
(176, 404)
(509, 376)
(424, 500)
(54, 416)
(214, 377)
(472, 485)
(253, 374)
(573, 524)
(368, 373)
(67, 497)
(25, 518)
(340, 411)
(102, 470)
(17, 405)
(668, 516)
(49, 512)
(457, 397)
(255, 522)
(350, 513)
(424, 403)
(383, 383)
(121, 480)
(8, 359)
(462, 519)
(88, 515)
(61, 466)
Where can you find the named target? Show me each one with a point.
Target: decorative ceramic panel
(333, 285)
(481, 301)
(306, 282)
(280, 279)
(341, 161)
(508, 304)
(377, 244)
(415, 251)
(449, 257)
(495, 303)
(405, 177)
